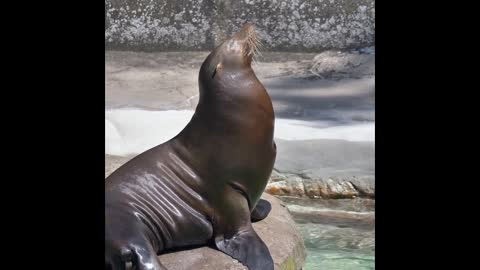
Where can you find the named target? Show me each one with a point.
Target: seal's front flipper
(248, 248)
(261, 210)
(234, 234)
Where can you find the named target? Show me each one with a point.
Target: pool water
(333, 248)
(338, 235)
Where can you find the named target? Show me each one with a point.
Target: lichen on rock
(335, 187)
(284, 25)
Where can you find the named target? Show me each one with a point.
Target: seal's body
(205, 184)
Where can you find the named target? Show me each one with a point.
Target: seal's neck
(231, 102)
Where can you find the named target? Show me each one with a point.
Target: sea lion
(204, 185)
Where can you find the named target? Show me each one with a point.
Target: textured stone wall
(284, 25)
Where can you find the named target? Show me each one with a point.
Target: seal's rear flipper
(114, 263)
(139, 255)
(261, 210)
(248, 248)
(145, 258)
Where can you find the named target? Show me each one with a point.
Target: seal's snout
(236, 52)
(244, 43)
(248, 37)
(248, 29)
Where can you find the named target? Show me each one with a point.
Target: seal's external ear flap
(217, 67)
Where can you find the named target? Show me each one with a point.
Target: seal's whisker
(255, 44)
(260, 45)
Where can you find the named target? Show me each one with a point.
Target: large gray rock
(278, 231)
(301, 25)
(336, 64)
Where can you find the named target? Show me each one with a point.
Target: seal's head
(234, 54)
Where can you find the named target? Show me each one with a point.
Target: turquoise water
(333, 248)
(338, 234)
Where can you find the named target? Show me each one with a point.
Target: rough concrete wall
(284, 25)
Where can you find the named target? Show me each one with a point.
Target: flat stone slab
(325, 158)
(329, 169)
(331, 86)
(278, 231)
